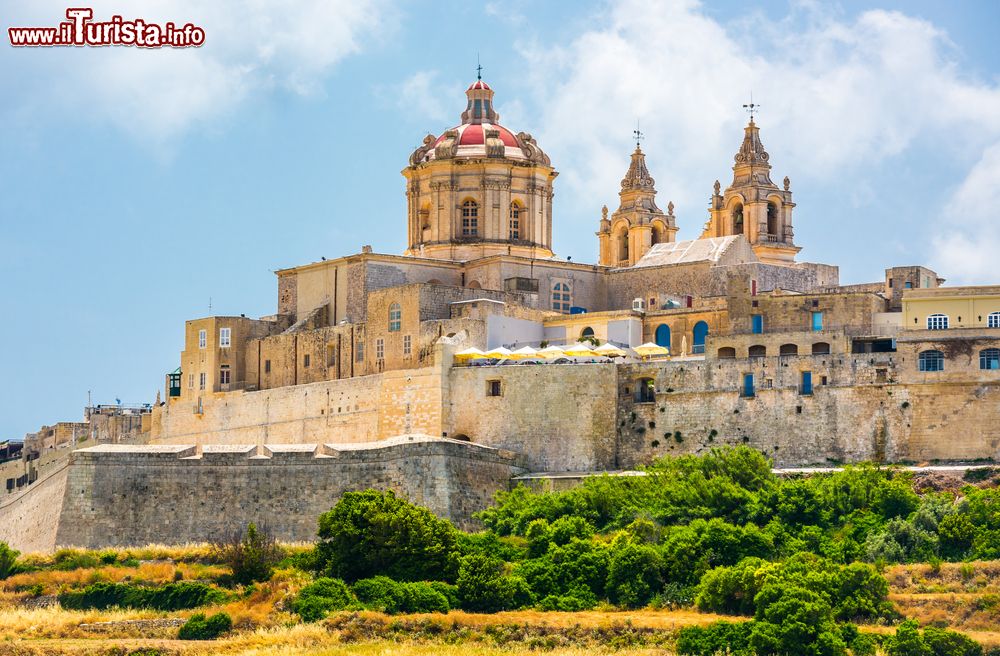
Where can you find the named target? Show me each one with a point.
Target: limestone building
(355, 375)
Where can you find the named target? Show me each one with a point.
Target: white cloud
(841, 97)
(157, 94)
(423, 96)
(969, 235)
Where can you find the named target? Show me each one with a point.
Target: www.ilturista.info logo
(81, 30)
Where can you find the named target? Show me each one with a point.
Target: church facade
(765, 349)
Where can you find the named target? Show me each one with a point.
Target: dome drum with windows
(479, 189)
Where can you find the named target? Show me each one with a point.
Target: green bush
(251, 555)
(943, 642)
(484, 587)
(8, 560)
(201, 628)
(316, 600)
(731, 638)
(383, 594)
(634, 575)
(375, 533)
(70, 559)
(171, 596)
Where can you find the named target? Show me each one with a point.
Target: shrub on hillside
(316, 600)
(483, 585)
(171, 596)
(252, 555)
(383, 594)
(8, 560)
(376, 533)
(731, 638)
(199, 627)
(634, 574)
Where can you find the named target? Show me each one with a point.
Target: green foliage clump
(375, 533)
(316, 600)
(8, 560)
(383, 594)
(170, 596)
(909, 641)
(199, 627)
(251, 555)
(70, 559)
(485, 587)
(718, 638)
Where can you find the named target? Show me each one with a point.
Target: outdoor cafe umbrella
(610, 350)
(524, 353)
(470, 353)
(579, 350)
(550, 352)
(498, 353)
(650, 349)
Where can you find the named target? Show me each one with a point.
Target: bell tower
(638, 224)
(753, 206)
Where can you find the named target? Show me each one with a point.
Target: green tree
(251, 555)
(907, 641)
(375, 533)
(8, 560)
(483, 585)
(634, 574)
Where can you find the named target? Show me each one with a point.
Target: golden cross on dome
(751, 107)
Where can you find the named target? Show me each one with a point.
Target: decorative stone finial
(604, 213)
(788, 183)
(670, 208)
(752, 150)
(717, 187)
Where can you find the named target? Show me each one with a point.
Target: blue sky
(135, 186)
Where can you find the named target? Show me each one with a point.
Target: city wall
(120, 495)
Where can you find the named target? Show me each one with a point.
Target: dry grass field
(962, 596)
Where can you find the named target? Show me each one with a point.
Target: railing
(697, 349)
(850, 330)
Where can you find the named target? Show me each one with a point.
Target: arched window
(727, 353)
(470, 218)
(821, 348)
(738, 220)
(623, 245)
(989, 358)
(937, 322)
(645, 391)
(772, 221)
(474, 284)
(699, 333)
(561, 297)
(758, 351)
(515, 221)
(931, 361)
(993, 320)
(587, 333)
(663, 335)
(395, 318)
(788, 349)
(657, 235)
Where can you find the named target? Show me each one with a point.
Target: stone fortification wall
(29, 518)
(132, 495)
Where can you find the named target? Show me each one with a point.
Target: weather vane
(637, 134)
(751, 108)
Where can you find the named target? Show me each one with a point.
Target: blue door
(757, 324)
(748, 385)
(817, 321)
(700, 333)
(663, 335)
(807, 382)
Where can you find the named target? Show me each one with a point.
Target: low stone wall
(121, 495)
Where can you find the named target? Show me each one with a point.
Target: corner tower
(638, 224)
(479, 189)
(753, 205)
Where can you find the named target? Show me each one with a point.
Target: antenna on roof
(751, 107)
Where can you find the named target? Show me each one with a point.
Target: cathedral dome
(479, 135)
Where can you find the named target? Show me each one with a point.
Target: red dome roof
(478, 84)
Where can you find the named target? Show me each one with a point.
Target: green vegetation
(171, 596)
(199, 627)
(8, 560)
(251, 555)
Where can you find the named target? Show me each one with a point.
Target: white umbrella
(579, 350)
(525, 352)
(550, 352)
(471, 352)
(610, 350)
(497, 353)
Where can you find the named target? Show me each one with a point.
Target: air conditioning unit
(638, 305)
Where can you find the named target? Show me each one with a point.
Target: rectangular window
(359, 351)
(380, 349)
(890, 283)
(817, 321)
(493, 388)
(331, 355)
(908, 285)
(190, 381)
(757, 324)
(267, 366)
(225, 338)
(407, 345)
(753, 287)
(224, 375)
(202, 339)
(305, 361)
(201, 380)
(807, 383)
(748, 390)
